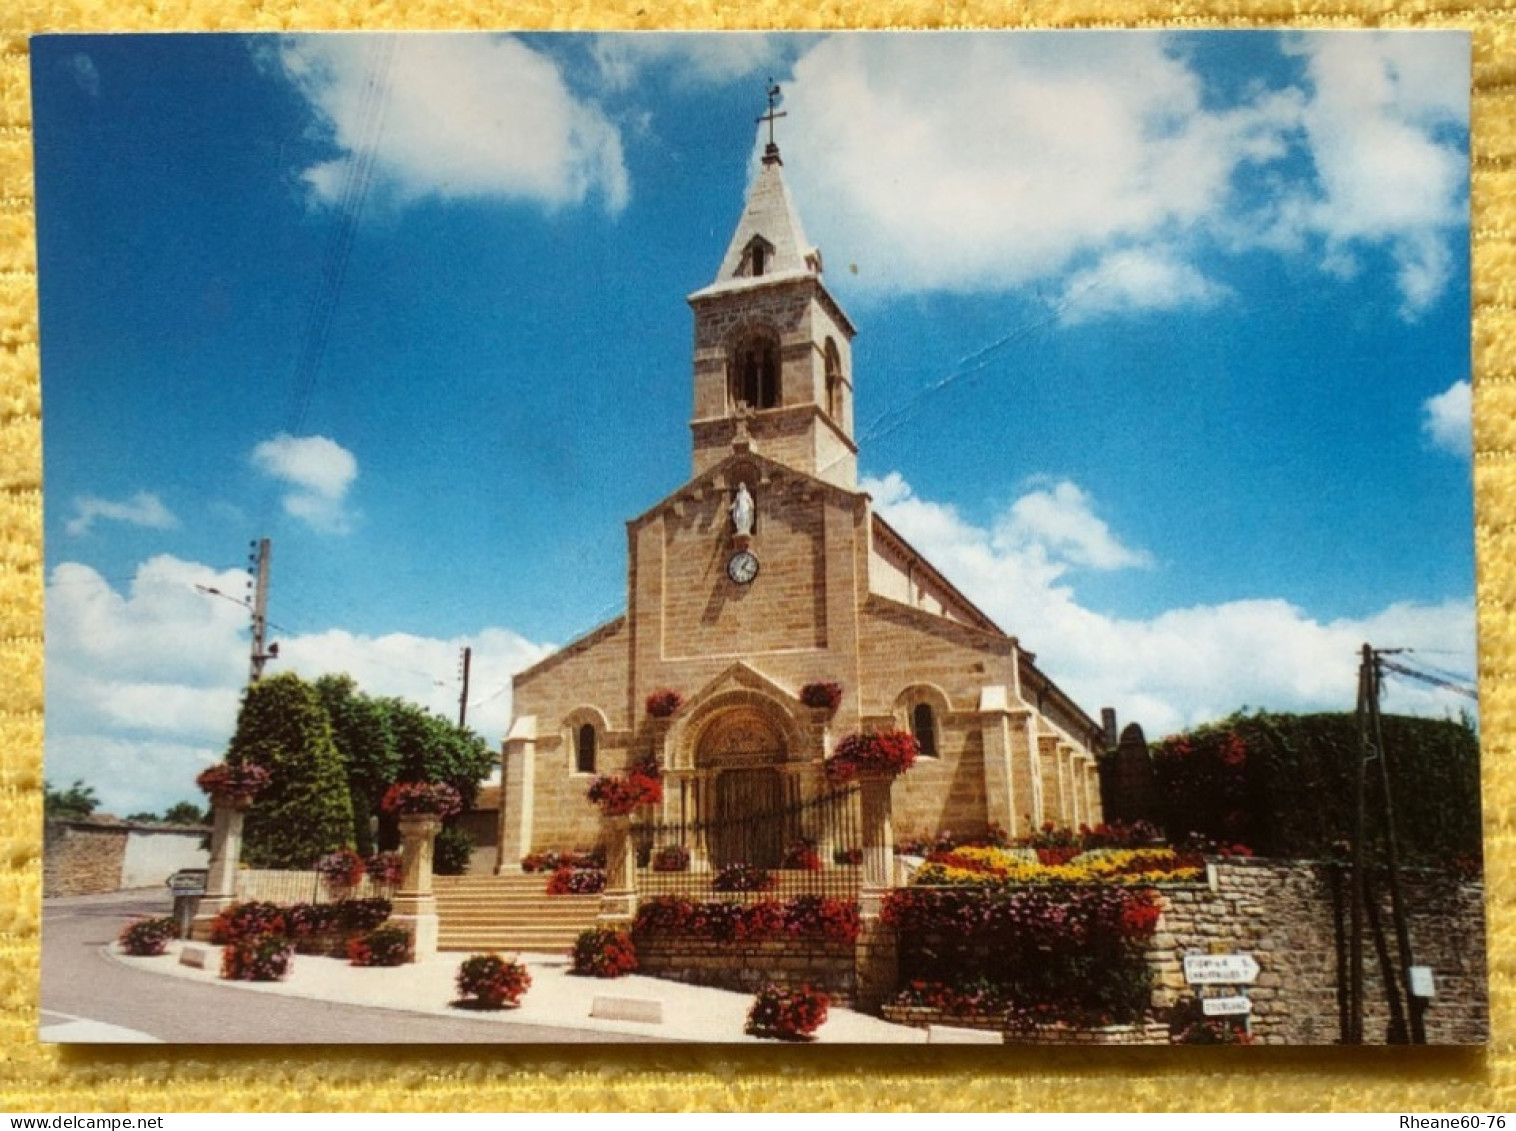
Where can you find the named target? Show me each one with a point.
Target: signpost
(1234, 1006)
(1220, 969)
(188, 886)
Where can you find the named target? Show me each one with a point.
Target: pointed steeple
(769, 240)
(772, 346)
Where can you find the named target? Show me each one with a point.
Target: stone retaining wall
(745, 966)
(1294, 918)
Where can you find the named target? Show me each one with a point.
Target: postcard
(851, 537)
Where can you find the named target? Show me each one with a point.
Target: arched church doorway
(740, 760)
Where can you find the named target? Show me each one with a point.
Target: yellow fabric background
(147, 1078)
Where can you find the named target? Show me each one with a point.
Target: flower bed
(807, 917)
(743, 877)
(1054, 954)
(551, 861)
(341, 869)
(671, 858)
(257, 958)
(801, 857)
(787, 1014)
(997, 867)
(147, 938)
(383, 946)
(576, 881)
(604, 952)
(488, 981)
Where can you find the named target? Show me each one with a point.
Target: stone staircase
(509, 913)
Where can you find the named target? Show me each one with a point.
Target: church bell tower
(773, 349)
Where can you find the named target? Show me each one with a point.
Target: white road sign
(1225, 1006)
(1220, 969)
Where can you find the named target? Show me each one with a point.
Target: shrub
(244, 919)
(885, 752)
(743, 877)
(385, 868)
(383, 946)
(363, 914)
(576, 881)
(488, 981)
(256, 958)
(663, 703)
(604, 952)
(823, 694)
(787, 1015)
(148, 937)
(453, 852)
(422, 799)
(671, 858)
(810, 916)
(304, 920)
(801, 857)
(341, 869)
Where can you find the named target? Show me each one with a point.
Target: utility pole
(468, 654)
(1371, 745)
(260, 561)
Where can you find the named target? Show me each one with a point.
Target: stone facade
(818, 589)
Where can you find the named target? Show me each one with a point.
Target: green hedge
(1283, 785)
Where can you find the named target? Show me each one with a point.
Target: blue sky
(1163, 350)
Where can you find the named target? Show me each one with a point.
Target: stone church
(770, 570)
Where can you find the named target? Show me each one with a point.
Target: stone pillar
(1035, 773)
(1054, 801)
(226, 858)
(1092, 804)
(518, 787)
(995, 725)
(878, 843)
(415, 907)
(618, 903)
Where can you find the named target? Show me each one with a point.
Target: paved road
(79, 983)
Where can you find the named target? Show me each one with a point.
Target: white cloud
(1136, 280)
(319, 469)
(1038, 157)
(693, 57)
(142, 509)
(1376, 121)
(1059, 522)
(1183, 666)
(144, 685)
(454, 117)
(1447, 420)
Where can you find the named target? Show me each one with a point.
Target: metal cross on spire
(773, 96)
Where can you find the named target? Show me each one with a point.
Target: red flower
(891, 752)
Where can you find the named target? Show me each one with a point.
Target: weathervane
(773, 95)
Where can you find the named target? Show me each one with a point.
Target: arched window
(833, 381)
(924, 727)
(755, 372)
(584, 749)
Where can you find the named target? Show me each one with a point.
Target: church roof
(769, 221)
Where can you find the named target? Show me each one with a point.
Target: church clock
(742, 567)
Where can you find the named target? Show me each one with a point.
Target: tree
(185, 813)
(361, 731)
(306, 810)
(72, 804)
(433, 749)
